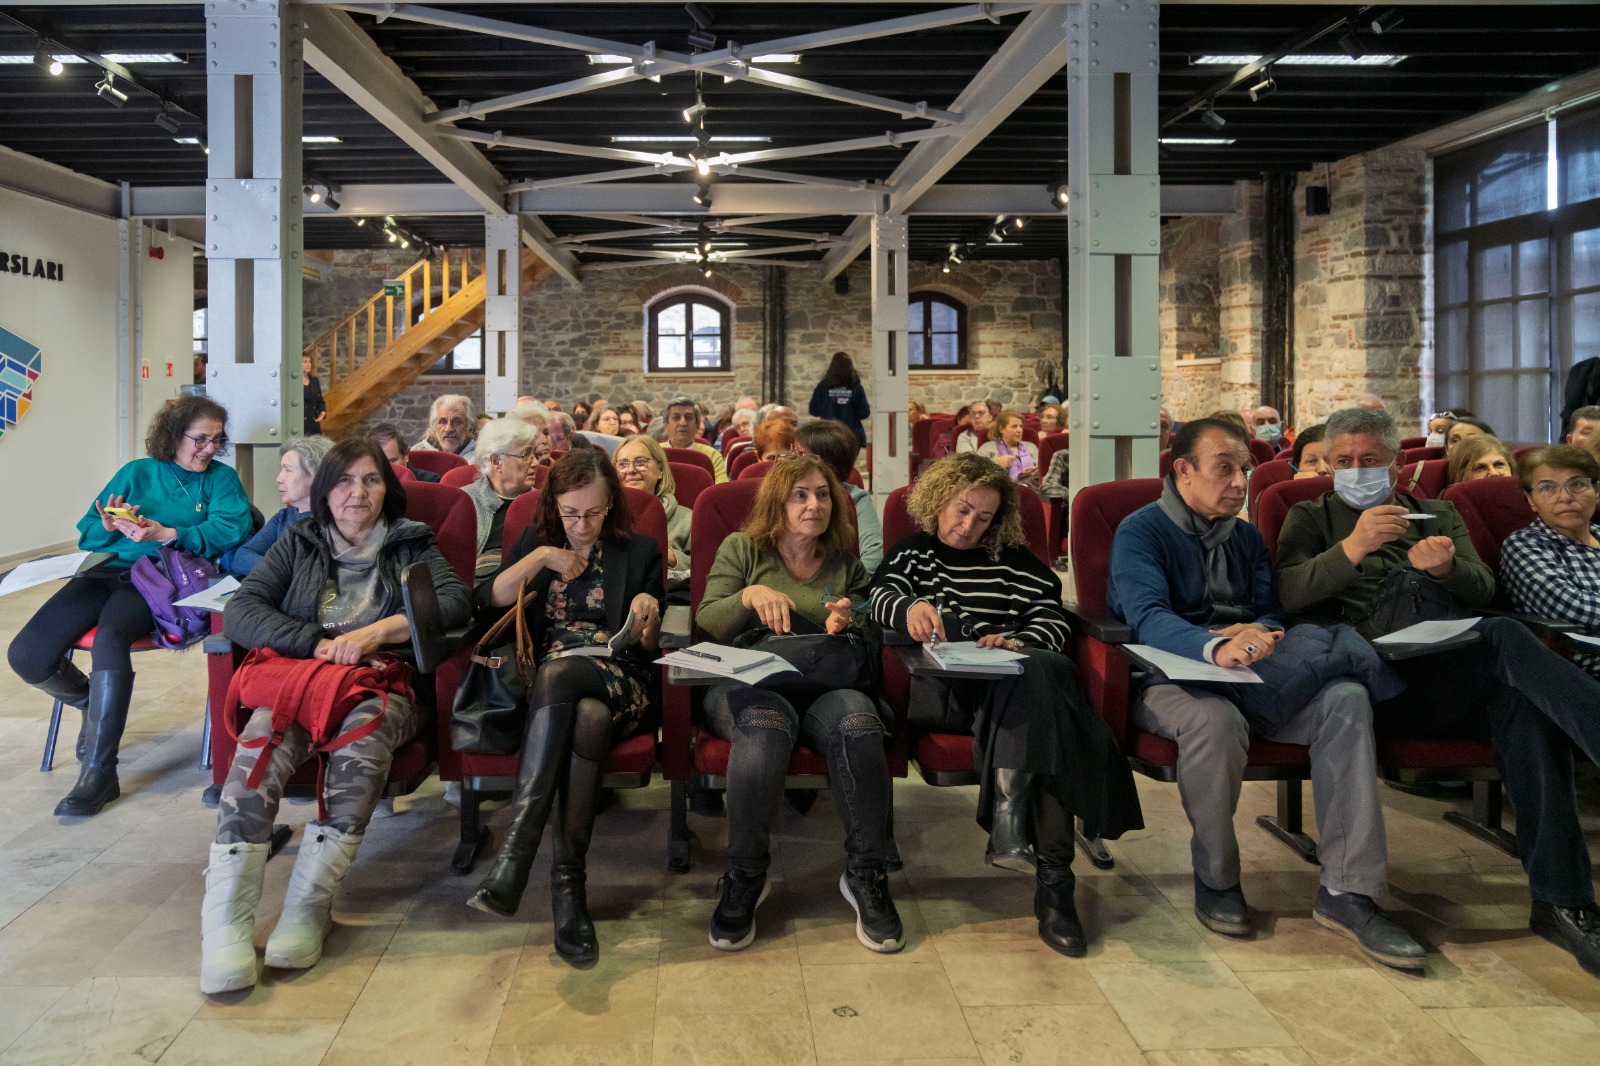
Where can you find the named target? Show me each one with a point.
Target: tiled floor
(99, 945)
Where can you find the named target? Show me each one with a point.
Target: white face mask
(1436, 440)
(1270, 433)
(1363, 486)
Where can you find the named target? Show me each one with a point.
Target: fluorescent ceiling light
(1197, 140)
(615, 60)
(696, 244)
(1302, 61)
(631, 138)
(303, 140)
(125, 58)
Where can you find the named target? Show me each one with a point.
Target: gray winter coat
(276, 605)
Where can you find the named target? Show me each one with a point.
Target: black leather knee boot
(1008, 833)
(1053, 904)
(544, 763)
(569, 906)
(106, 716)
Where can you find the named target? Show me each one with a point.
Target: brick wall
(1190, 324)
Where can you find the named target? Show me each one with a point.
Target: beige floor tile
(1186, 1005)
(998, 907)
(424, 1011)
(1236, 1056)
(1516, 1036)
(1025, 1036)
(570, 1055)
(1463, 976)
(1015, 973)
(761, 1038)
(1140, 929)
(549, 1002)
(1350, 1017)
(1555, 970)
(703, 980)
(21, 1007)
(108, 1020)
(884, 1012)
(62, 943)
(251, 1042)
(326, 992)
(1282, 942)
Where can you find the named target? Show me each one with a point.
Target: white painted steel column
(502, 311)
(889, 389)
(254, 81)
(1114, 239)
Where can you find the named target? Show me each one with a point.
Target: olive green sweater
(723, 615)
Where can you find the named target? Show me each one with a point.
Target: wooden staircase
(397, 349)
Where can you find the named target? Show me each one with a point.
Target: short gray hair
(452, 399)
(1592, 414)
(566, 421)
(311, 450)
(502, 437)
(1367, 423)
(532, 411)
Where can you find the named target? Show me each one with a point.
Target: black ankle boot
(544, 759)
(1008, 832)
(107, 716)
(569, 906)
(1053, 904)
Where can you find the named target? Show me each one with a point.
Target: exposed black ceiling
(1462, 60)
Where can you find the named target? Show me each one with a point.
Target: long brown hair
(578, 469)
(769, 518)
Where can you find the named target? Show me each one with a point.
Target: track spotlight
(333, 204)
(1060, 194)
(702, 195)
(107, 91)
(995, 236)
(1263, 88)
(45, 61)
(361, 222)
(391, 234)
(166, 120)
(1016, 223)
(946, 268)
(1210, 117)
(694, 111)
(1385, 22)
(312, 193)
(702, 165)
(405, 241)
(702, 40)
(1350, 43)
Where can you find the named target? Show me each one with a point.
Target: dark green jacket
(276, 605)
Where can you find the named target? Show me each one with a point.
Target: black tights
(561, 687)
(102, 600)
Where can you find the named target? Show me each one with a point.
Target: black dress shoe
(1574, 929)
(1355, 917)
(1221, 910)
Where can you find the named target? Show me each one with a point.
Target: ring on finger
(1250, 648)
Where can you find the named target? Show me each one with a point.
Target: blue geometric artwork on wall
(21, 363)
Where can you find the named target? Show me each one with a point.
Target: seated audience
(981, 420)
(1041, 753)
(839, 396)
(451, 426)
(945, 443)
(1335, 554)
(1193, 580)
(1232, 418)
(587, 571)
(1438, 427)
(505, 458)
(627, 421)
(742, 424)
(178, 495)
(580, 414)
(1370, 402)
(774, 438)
(552, 406)
(1311, 453)
(836, 445)
(484, 418)
(915, 412)
(533, 412)
(1463, 427)
(386, 435)
(329, 590)
(1050, 420)
(297, 465)
(1479, 456)
(682, 422)
(641, 464)
(562, 427)
(642, 414)
(1551, 568)
(1007, 449)
(1168, 426)
(1266, 425)
(603, 419)
(778, 411)
(1580, 432)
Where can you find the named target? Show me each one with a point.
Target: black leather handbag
(1406, 597)
(822, 661)
(491, 708)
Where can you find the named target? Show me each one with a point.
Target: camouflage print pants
(353, 785)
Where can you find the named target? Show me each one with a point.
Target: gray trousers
(1213, 738)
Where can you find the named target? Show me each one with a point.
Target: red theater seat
(688, 482)
(459, 477)
(691, 457)
(435, 462)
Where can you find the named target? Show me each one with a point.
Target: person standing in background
(316, 406)
(839, 396)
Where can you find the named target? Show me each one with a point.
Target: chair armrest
(1543, 627)
(1393, 653)
(431, 642)
(676, 628)
(1101, 627)
(217, 644)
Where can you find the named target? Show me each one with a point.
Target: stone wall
(1240, 271)
(1190, 324)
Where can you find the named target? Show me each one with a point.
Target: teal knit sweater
(168, 494)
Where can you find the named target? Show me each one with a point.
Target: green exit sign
(393, 287)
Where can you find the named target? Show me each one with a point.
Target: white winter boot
(325, 856)
(228, 917)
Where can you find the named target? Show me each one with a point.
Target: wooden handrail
(341, 339)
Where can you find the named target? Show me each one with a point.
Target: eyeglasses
(641, 464)
(203, 441)
(1576, 487)
(527, 456)
(586, 516)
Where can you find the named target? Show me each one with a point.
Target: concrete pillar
(254, 240)
(502, 315)
(889, 388)
(1113, 247)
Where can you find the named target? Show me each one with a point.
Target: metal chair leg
(1488, 805)
(205, 738)
(474, 834)
(1288, 825)
(679, 838)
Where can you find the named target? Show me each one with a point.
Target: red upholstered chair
(732, 442)
(688, 483)
(1427, 479)
(1419, 454)
(755, 471)
(630, 763)
(1055, 511)
(1526, 449)
(692, 457)
(939, 447)
(1164, 462)
(854, 478)
(1272, 506)
(741, 460)
(403, 472)
(1262, 452)
(690, 752)
(1493, 508)
(1107, 672)
(459, 477)
(435, 462)
(1268, 474)
(541, 474)
(921, 444)
(1413, 442)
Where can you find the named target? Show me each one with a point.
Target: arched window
(688, 332)
(937, 333)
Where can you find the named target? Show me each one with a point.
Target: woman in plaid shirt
(1552, 567)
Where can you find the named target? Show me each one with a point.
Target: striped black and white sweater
(1016, 594)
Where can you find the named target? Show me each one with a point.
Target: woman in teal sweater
(177, 496)
(791, 569)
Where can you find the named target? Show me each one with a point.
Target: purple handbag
(167, 577)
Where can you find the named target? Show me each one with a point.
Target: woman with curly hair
(1042, 755)
(1484, 455)
(176, 496)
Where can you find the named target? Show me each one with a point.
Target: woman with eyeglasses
(641, 464)
(177, 496)
(506, 455)
(588, 575)
(1552, 567)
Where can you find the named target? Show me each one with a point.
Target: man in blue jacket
(1193, 580)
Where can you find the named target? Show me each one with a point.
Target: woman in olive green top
(791, 569)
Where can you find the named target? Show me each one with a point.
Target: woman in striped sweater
(1041, 753)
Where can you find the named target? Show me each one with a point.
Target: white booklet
(1182, 668)
(966, 656)
(214, 598)
(1429, 632)
(41, 571)
(1584, 638)
(620, 642)
(739, 664)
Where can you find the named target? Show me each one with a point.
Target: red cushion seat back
(541, 474)
(719, 513)
(1273, 505)
(1427, 479)
(449, 513)
(731, 441)
(922, 436)
(691, 457)
(1097, 511)
(1413, 442)
(1493, 508)
(1419, 454)
(737, 464)
(435, 462)
(1262, 452)
(688, 483)
(1049, 444)
(1267, 475)
(403, 472)
(1164, 463)
(755, 471)
(898, 523)
(459, 477)
(854, 478)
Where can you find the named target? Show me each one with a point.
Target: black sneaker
(877, 922)
(1574, 929)
(733, 925)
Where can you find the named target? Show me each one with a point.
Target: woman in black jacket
(328, 589)
(839, 396)
(589, 575)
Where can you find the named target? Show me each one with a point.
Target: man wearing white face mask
(1334, 555)
(1267, 425)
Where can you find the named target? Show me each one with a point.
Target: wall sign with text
(21, 363)
(31, 267)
